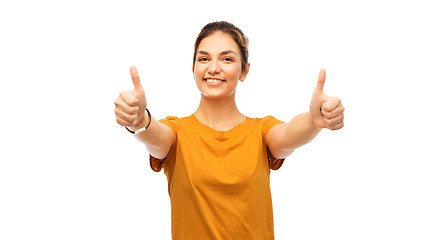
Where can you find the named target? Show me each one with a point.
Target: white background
(69, 171)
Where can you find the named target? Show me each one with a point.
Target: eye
(228, 59)
(202, 59)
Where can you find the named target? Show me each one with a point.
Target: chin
(216, 95)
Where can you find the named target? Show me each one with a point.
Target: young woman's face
(218, 67)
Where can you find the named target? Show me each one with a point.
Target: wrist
(311, 121)
(143, 124)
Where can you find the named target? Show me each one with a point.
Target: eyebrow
(222, 53)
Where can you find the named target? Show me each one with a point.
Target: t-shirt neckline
(235, 128)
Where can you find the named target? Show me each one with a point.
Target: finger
(124, 107)
(331, 103)
(129, 98)
(321, 80)
(125, 119)
(338, 126)
(331, 123)
(334, 113)
(123, 122)
(135, 78)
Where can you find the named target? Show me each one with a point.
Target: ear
(245, 72)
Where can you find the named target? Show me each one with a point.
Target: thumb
(135, 78)
(320, 81)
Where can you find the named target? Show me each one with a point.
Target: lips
(213, 81)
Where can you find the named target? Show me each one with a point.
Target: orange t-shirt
(219, 182)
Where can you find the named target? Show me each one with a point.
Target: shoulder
(173, 119)
(265, 123)
(174, 122)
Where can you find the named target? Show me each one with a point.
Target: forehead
(218, 42)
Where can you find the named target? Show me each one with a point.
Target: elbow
(157, 152)
(288, 152)
(282, 153)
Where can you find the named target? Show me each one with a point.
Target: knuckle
(120, 121)
(129, 110)
(134, 101)
(328, 123)
(132, 118)
(333, 123)
(134, 110)
(325, 114)
(338, 126)
(131, 100)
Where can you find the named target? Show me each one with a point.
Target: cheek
(233, 71)
(198, 71)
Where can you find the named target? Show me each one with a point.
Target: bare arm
(283, 139)
(158, 138)
(130, 112)
(325, 112)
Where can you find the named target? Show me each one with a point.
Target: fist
(326, 111)
(130, 105)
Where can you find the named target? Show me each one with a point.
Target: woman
(217, 161)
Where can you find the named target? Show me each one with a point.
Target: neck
(219, 114)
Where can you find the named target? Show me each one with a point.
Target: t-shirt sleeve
(155, 163)
(270, 122)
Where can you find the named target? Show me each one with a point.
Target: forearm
(299, 131)
(158, 138)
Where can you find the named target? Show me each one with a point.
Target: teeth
(213, 80)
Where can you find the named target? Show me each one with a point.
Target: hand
(326, 111)
(130, 105)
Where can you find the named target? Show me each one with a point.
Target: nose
(214, 68)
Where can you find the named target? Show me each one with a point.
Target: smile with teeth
(211, 80)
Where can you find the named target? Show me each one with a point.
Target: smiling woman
(217, 161)
(239, 38)
(218, 69)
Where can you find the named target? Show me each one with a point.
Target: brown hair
(225, 27)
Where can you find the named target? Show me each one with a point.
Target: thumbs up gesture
(131, 105)
(326, 111)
